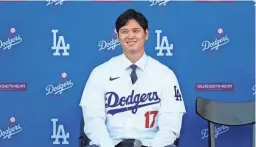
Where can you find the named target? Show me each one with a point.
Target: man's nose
(130, 35)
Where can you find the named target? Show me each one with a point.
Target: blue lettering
(129, 98)
(132, 102)
(143, 97)
(122, 101)
(112, 96)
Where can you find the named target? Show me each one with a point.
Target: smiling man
(132, 99)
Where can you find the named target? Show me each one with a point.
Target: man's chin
(133, 51)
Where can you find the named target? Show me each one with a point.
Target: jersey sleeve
(172, 98)
(93, 109)
(170, 113)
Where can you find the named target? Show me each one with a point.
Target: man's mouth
(131, 42)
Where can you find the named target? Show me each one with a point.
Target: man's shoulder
(159, 66)
(107, 65)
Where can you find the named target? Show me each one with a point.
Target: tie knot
(133, 66)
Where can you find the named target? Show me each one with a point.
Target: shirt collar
(141, 63)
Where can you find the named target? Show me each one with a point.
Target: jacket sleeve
(171, 112)
(93, 109)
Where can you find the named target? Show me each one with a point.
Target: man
(132, 96)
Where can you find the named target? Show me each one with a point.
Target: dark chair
(225, 113)
(176, 142)
(84, 140)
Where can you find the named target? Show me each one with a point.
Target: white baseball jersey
(114, 109)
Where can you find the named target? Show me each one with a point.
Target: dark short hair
(131, 14)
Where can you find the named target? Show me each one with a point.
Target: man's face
(132, 37)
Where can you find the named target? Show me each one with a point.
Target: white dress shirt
(114, 109)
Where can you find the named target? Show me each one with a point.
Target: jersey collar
(141, 63)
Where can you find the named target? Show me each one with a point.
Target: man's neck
(134, 57)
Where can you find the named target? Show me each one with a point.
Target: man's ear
(116, 34)
(146, 34)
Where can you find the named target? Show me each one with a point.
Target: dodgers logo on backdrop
(13, 129)
(59, 45)
(109, 44)
(58, 132)
(159, 2)
(11, 41)
(57, 2)
(218, 130)
(59, 88)
(220, 40)
(162, 44)
(132, 102)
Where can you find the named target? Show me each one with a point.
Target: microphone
(137, 143)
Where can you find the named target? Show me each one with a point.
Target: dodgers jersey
(114, 109)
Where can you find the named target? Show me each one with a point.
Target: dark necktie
(133, 73)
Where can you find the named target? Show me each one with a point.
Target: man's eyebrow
(132, 29)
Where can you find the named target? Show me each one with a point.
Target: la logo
(58, 133)
(163, 44)
(59, 44)
(177, 94)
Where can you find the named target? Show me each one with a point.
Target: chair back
(225, 113)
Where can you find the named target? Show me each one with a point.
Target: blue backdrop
(211, 45)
